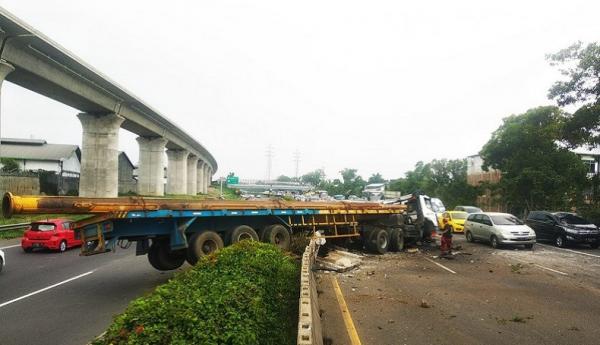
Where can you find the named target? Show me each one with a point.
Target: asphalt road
(62, 298)
(483, 296)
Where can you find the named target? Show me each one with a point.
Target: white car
(498, 229)
(2, 262)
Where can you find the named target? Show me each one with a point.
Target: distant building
(127, 181)
(64, 160)
(37, 154)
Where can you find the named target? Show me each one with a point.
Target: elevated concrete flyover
(33, 61)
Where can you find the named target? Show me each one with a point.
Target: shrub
(244, 294)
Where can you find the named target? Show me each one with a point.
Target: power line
(297, 162)
(269, 154)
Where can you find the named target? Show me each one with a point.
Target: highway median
(244, 294)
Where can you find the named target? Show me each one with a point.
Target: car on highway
(498, 229)
(468, 209)
(2, 260)
(562, 228)
(456, 219)
(54, 234)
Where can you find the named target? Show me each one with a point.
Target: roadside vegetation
(244, 294)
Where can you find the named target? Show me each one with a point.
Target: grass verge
(244, 294)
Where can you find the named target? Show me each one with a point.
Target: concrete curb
(309, 320)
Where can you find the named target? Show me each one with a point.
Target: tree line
(533, 150)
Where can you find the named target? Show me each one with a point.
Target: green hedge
(244, 294)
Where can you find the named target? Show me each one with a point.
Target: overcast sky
(372, 85)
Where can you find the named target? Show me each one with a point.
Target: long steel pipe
(14, 204)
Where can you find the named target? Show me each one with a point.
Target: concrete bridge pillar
(5, 69)
(200, 177)
(177, 171)
(207, 177)
(100, 155)
(192, 181)
(151, 166)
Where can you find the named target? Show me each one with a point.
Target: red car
(55, 234)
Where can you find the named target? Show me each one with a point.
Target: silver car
(498, 229)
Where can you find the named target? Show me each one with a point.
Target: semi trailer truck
(173, 231)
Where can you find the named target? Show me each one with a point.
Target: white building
(37, 154)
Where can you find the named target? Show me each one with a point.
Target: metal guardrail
(309, 320)
(14, 226)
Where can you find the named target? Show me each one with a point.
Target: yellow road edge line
(354, 339)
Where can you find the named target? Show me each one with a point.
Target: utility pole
(269, 161)
(297, 163)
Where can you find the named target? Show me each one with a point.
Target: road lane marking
(550, 269)
(442, 266)
(542, 267)
(7, 247)
(569, 250)
(45, 289)
(354, 339)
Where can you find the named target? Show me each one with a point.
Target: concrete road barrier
(309, 320)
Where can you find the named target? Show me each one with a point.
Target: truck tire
(262, 231)
(202, 244)
(379, 240)
(278, 235)
(396, 240)
(242, 233)
(162, 258)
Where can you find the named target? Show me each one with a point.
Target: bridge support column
(5, 69)
(100, 155)
(207, 177)
(200, 177)
(192, 182)
(151, 166)
(177, 171)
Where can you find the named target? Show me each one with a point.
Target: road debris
(339, 261)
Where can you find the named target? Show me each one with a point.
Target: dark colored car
(54, 234)
(562, 228)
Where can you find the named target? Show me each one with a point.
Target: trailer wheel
(262, 231)
(396, 240)
(242, 233)
(379, 241)
(162, 258)
(202, 244)
(277, 235)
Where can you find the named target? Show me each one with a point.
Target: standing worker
(446, 243)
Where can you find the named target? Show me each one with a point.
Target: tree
(315, 178)
(537, 172)
(10, 165)
(353, 184)
(581, 66)
(444, 179)
(283, 178)
(376, 178)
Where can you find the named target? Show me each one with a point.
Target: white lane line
(542, 267)
(569, 250)
(16, 245)
(45, 289)
(442, 266)
(550, 269)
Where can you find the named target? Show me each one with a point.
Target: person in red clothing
(446, 243)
